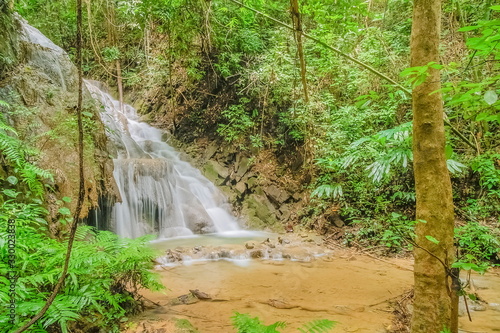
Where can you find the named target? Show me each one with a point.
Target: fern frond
(4, 104)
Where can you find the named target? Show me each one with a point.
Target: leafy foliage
(104, 273)
(16, 154)
(246, 324)
(477, 243)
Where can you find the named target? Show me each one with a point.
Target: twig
(382, 260)
(467, 308)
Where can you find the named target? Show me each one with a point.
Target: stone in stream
(184, 300)
(279, 304)
(200, 294)
(249, 246)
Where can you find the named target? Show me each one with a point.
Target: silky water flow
(160, 193)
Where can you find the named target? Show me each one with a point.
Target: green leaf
(464, 29)
(12, 180)
(66, 199)
(448, 151)
(64, 211)
(490, 97)
(482, 116)
(10, 193)
(432, 239)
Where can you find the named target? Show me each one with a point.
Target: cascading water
(160, 193)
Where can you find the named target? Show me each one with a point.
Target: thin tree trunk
(297, 25)
(119, 82)
(432, 311)
(113, 38)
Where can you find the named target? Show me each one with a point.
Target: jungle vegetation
(329, 80)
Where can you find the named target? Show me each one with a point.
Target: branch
(81, 191)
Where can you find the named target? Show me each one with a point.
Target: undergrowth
(244, 323)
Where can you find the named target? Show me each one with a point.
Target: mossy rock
(259, 212)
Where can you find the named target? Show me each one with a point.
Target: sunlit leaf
(490, 97)
(432, 239)
(12, 180)
(64, 211)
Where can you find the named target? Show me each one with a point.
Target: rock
(241, 187)
(197, 220)
(243, 167)
(184, 299)
(334, 218)
(249, 246)
(200, 294)
(477, 307)
(256, 254)
(279, 196)
(283, 240)
(231, 195)
(280, 304)
(251, 182)
(259, 211)
(215, 172)
(297, 196)
(41, 75)
(210, 151)
(285, 212)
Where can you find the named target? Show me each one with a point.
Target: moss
(8, 39)
(260, 213)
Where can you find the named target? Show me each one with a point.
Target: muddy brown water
(352, 289)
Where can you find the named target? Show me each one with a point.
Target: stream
(357, 290)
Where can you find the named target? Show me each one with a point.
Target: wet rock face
(41, 85)
(262, 202)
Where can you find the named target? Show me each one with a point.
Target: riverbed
(356, 290)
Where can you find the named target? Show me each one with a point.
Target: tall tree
(434, 253)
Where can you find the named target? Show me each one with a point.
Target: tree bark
(432, 311)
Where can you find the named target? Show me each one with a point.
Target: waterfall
(160, 193)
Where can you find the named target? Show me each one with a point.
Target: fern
(246, 324)
(102, 277)
(4, 104)
(16, 154)
(327, 191)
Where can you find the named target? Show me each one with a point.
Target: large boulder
(41, 85)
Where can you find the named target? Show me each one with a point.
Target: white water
(160, 193)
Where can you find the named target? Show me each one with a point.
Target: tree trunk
(432, 312)
(113, 41)
(297, 25)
